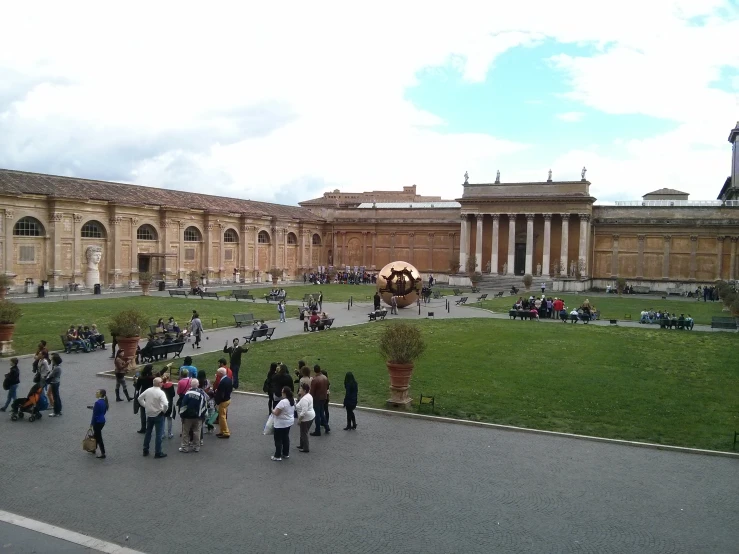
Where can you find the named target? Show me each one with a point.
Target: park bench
(241, 295)
(162, 351)
(456, 292)
(674, 291)
(377, 314)
(721, 322)
(178, 293)
(462, 301)
(321, 325)
(475, 290)
(243, 319)
(640, 289)
(69, 347)
(437, 295)
(521, 314)
(209, 295)
(499, 295)
(482, 297)
(257, 333)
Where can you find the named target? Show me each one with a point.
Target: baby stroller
(33, 404)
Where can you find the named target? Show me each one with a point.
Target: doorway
(144, 263)
(519, 264)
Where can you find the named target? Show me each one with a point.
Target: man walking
(234, 354)
(319, 392)
(223, 401)
(196, 328)
(192, 411)
(154, 401)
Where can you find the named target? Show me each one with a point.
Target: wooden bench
(69, 347)
(475, 290)
(162, 351)
(209, 295)
(499, 294)
(322, 324)
(456, 292)
(721, 322)
(377, 314)
(521, 314)
(640, 290)
(257, 333)
(461, 301)
(178, 293)
(482, 297)
(243, 319)
(241, 295)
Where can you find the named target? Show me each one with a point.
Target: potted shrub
(620, 284)
(145, 282)
(454, 265)
(527, 281)
(127, 327)
(400, 345)
(9, 314)
(276, 275)
(194, 277)
(5, 282)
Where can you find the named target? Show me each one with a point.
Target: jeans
(97, 428)
(320, 409)
(282, 319)
(304, 437)
(57, 398)
(11, 395)
(222, 418)
(156, 423)
(282, 442)
(235, 372)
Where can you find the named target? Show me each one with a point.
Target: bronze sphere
(402, 280)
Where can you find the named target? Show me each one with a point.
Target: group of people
(47, 377)
(666, 319)
(341, 277)
(551, 308)
(85, 338)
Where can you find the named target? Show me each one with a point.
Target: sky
(282, 102)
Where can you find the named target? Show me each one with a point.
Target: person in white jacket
(155, 402)
(306, 415)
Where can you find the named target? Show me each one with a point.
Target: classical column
(374, 246)
(222, 248)
(77, 251)
(255, 251)
(494, 253)
(530, 244)
(547, 245)
(720, 257)
(244, 263)
(732, 267)
(640, 257)
(208, 259)
(344, 259)
(56, 220)
(693, 256)
(565, 245)
(478, 242)
(464, 242)
(666, 258)
(511, 242)
(284, 247)
(114, 253)
(614, 257)
(134, 250)
(431, 251)
(582, 255)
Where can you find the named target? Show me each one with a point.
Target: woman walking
(121, 368)
(54, 381)
(284, 417)
(11, 382)
(98, 419)
(306, 415)
(169, 390)
(350, 400)
(140, 384)
(267, 387)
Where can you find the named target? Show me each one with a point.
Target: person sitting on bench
(314, 319)
(97, 337)
(263, 325)
(563, 315)
(574, 315)
(514, 290)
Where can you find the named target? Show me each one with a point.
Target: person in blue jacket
(98, 419)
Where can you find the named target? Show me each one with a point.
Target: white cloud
(570, 117)
(282, 101)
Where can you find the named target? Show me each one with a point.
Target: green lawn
(677, 388)
(616, 307)
(47, 320)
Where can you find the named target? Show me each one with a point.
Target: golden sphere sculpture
(402, 280)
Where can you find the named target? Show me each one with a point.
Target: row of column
(546, 258)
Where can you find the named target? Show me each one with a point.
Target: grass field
(675, 388)
(616, 307)
(47, 320)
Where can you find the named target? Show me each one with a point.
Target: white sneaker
(201, 442)
(275, 459)
(171, 436)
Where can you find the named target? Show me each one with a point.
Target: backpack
(43, 402)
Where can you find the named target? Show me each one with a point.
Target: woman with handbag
(140, 383)
(98, 420)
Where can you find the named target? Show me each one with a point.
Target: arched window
(192, 234)
(92, 230)
(28, 227)
(292, 239)
(263, 237)
(316, 240)
(146, 232)
(230, 236)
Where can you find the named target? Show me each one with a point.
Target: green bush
(9, 312)
(144, 277)
(528, 280)
(129, 323)
(401, 343)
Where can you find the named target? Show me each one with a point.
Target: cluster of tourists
(341, 278)
(85, 339)
(47, 376)
(667, 319)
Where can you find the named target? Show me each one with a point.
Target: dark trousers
(304, 437)
(56, 397)
(142, 416)
(351, 421)
(282, 442)
(325, 412)
(97, 428)
(270, 403)
(319, 407)
(235, 371)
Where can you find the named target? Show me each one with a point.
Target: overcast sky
(283, 101)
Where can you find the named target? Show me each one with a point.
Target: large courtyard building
(553, 229)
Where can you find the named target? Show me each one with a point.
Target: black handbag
(136, 405)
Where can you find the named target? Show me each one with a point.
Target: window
(192, 234)
(228, 254)
(28, 227)
(292, 239)
(146, 232)
(92, 230)
(189, 254)
(26, 254)
(230, 236)
(263, 237)
(316, 240)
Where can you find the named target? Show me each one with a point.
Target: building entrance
(519, 264)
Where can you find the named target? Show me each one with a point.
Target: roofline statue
(583, 172)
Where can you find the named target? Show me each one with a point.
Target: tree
(471, 265)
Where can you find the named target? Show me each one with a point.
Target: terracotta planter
(400, 379)
(6, 331)
(274, 281)
(128, 345)
(145, 288)
(193, 284)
